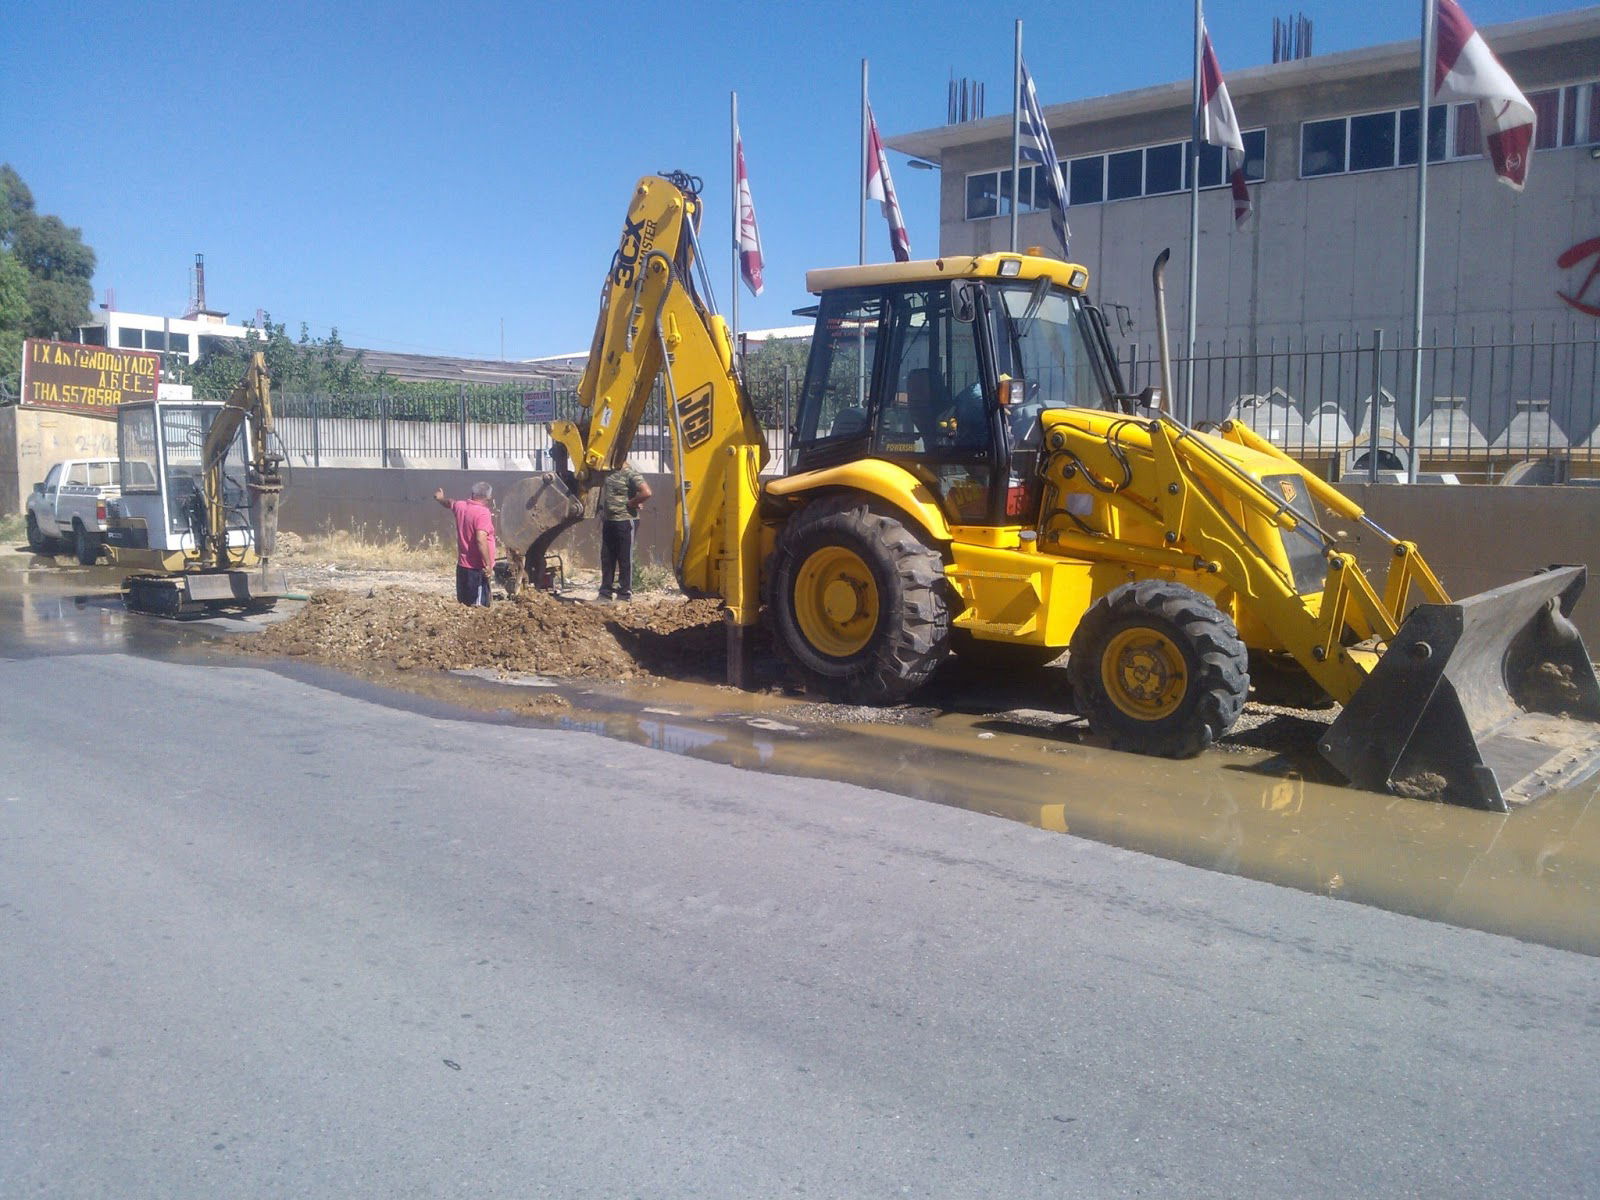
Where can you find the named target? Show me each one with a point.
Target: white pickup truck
(69, 507)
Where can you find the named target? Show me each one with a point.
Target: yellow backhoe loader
(199, 501)
(968, 475)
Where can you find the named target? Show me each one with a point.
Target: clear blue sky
(415, 175)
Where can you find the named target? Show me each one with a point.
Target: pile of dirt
(532, 634)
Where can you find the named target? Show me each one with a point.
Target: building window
(1372, 141)
(1124, 174)
(130, 339)
(92, 335)
(1438, 120)
(1564, 116)
(1163, 169)
(1212, 159)
(1086, 179)
(983, 195)
(1322, 147)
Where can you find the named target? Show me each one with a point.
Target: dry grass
(13, 528)
(373, 548)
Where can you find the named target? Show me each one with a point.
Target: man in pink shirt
(474, 543)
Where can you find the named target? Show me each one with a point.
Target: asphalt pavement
(258, 938)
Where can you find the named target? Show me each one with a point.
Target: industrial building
(1327, 257)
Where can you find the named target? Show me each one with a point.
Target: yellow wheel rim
(1144, 674)
(836, 601)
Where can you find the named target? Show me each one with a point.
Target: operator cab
(947, 378)
(160, 444)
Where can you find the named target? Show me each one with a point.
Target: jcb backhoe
(968, 475)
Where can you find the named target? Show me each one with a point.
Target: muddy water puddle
(1261, 813)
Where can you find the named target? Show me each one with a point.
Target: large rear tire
(84, 545)
(1158, 669)
(859, 605)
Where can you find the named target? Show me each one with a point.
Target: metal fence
(1487, 402)
(478, 427)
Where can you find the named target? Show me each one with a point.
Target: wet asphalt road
(258, 938)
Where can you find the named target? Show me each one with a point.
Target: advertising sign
(539, 405)
(91, 380)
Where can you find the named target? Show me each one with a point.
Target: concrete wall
(1474, 537)
(400, 503)
(1480, 537)
(34, 439)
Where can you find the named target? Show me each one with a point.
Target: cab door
(937, 416)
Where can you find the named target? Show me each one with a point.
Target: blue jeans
(472, 586)
(616, 559)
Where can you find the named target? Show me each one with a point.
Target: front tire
(860, 606)
(37, 542)
(1158, 669)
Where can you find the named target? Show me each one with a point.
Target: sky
(451, 179)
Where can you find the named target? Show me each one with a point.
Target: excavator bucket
(533, 513)
(1488, 703)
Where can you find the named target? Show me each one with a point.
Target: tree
(309, 366)
(13, 318)
(57, 272)
(764, 369)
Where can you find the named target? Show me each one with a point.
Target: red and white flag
(880, 187)
(1219, 126)
(1464, 68)
(749, 247)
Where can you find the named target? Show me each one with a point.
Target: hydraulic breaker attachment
(1488, 703)
(534, 512)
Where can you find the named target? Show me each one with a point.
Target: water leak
(1266, 814)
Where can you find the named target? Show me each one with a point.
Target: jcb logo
(694, 417)
(636, 239)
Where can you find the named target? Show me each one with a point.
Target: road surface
(258, 938)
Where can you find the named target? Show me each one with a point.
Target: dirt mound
(534, 633)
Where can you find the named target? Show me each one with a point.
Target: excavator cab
(947, 379)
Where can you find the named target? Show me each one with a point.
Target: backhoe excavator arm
(250, 400)
(653, 324)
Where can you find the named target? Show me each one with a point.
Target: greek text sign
(86, 379)
(539, 405)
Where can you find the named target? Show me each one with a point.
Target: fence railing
(477, 428)
(1486, 402)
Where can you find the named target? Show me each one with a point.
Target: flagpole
(1016, 131)
(861, 192)
(1194, 217)
(1422, 237)
(733, 154)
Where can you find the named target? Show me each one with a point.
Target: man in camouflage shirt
(620, 497)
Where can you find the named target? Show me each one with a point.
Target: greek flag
(1035, 146)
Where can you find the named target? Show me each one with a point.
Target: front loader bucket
(534, 512)
(1487, 703)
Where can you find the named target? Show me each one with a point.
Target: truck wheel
(85, 545)
(1157, 668)
(1003, 656)
(860, 605)
(37, 542)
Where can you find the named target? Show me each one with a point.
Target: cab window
(834, 422)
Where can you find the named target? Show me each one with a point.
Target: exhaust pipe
(1489, 703)
(1158, 280)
